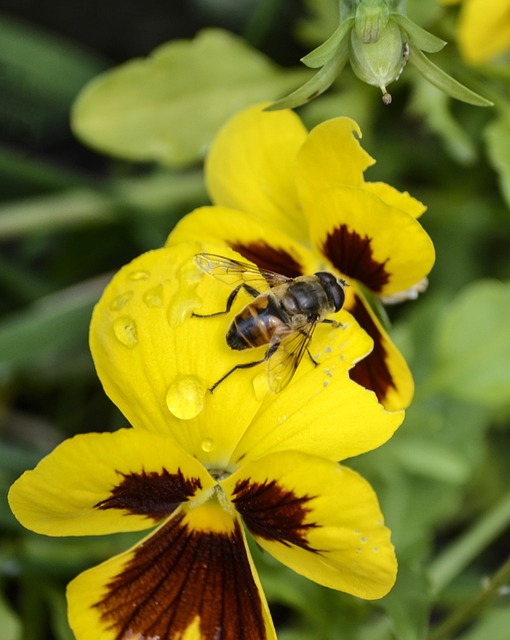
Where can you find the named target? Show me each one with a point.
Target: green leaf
(319, 56)
(408, 603)
(58, 611)
(415, 496)
(493, 624)
(418, 36)
(443, 81)
(168, 107)
(9, 623)
(473, 345)
(53, 324)
(161, 193)
(497, 136)
(433, 106)
(459, 554)
(450, 464)
(320, 82)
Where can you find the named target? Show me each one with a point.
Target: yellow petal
(104, 483)
(331, 156)
(255, 239)
(384, 370)
(251, 165)
(322, 411)
(368, 240)
(181, 582)
(484, 29)
(321, 519)
(156, 362)
(398, 199)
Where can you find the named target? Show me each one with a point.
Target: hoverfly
(283, 317)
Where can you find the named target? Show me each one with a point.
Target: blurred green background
(70, 216)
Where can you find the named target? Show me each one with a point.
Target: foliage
(69, 217)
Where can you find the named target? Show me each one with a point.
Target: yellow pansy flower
(296, 203)
(196, 465)
(484, 29)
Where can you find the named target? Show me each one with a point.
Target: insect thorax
(306, 298)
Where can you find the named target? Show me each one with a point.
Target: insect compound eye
(333, 288)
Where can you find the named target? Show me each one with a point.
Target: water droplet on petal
(125, 331)
(363, 539)
(154, 296)
(181, 309)
(120, 301)
(207, 445)
(185, 397)
(139, 275)
(375, 549)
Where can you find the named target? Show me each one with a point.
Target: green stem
(154, 195)
(470, 609)
(457, 556)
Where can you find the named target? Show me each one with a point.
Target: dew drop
(207, 445)
(125, 331)
(139, 275)
(181, 310)
(363, 540)
(120, 301)
(375, 549)
(154, 296)
(185, 397)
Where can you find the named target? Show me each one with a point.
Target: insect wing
(282, 365)
(235, 272)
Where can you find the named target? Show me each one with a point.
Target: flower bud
(371, 18)
(379, 63)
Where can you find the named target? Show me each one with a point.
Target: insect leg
(332, 322)
(335, 324)
(230, 301)
(314, 361)
(246, 365)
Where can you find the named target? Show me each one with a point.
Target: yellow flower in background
(483, 29)
(296, 203)
(196, 465)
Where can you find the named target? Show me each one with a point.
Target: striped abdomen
(255, 325)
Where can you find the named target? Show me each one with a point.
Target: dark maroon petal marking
(274, 513)
(154, 494)
(270, 258)
(373, 371)
(352, 255)
(179, 574)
